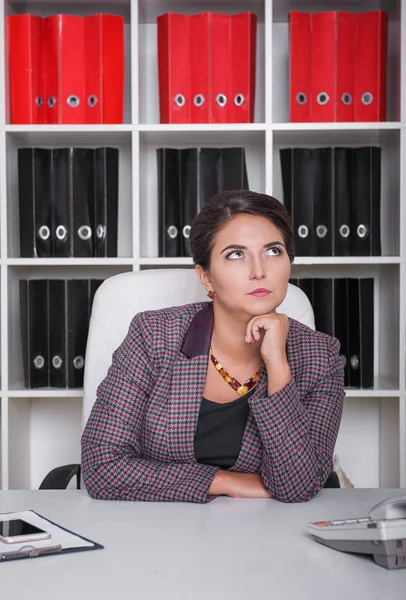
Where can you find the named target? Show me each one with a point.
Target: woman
(170, 423)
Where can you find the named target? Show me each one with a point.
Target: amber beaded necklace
(241, 389)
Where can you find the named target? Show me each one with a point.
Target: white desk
(228, 549)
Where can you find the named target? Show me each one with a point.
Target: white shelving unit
(41, 429)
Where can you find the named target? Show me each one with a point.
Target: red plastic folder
(174, 68)
(64, 68)
(323, 67)
(300, 66)
(104, 68)
(371, 57)
(242, 67)
(220, 62)
(200, 107)
(27, 97)
(346, 36)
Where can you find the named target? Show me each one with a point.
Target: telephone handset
(382, 533)
(391, 508)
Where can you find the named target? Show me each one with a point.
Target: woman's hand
(238, 485)
(275, 329)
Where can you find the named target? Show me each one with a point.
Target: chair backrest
(121, 297)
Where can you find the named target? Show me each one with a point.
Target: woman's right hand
(238, 485)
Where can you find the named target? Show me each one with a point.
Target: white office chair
(116, 302)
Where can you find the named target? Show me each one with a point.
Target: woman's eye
(275, 250)
(234, 253)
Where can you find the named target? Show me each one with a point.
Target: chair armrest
(59, 478)
(332, 481)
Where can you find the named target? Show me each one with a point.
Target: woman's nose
(257, 270)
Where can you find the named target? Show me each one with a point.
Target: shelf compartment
(386, 314)
(43, 434)
(389, 141)
(16, 373)
(280, 44)
(76, 7)
(253, 142)
(56, 139)
(148, 55)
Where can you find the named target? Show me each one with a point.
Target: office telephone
(382, 533)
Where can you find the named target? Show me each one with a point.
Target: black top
(220, 430)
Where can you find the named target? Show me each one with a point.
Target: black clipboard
(28, 551)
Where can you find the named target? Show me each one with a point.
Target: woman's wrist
(219, 485)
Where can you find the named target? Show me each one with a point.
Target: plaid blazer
(138, 443)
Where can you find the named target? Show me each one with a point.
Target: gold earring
(211, 294)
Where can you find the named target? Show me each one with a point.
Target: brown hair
(222, 207)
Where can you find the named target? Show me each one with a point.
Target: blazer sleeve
(298, 434)
(112, 464)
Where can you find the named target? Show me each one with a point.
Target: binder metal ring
(73, 101)
(186, 231)
(61, 232)
(239, 99)
(301, 98)
(51, 101)
(367, 98)
(322, 98)
(346, 99)
(321, 231)
(101, 232)
(92, 100)
(39, 362)
(221, 99)
(44, 232)
(343, 360)
(180, 100)
(85, 232)
(172, 231)
(79, 362)
(199, 100)
(362, 230)
(57, 362)
(344, 231)
(38, 101)
(354, 361)
(303, 231)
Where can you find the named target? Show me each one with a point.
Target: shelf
(175, 262)
(202, 135)
(43, 393)
(68, 262)
(202, 127)
(299, 260)
(313, 134)
(352, 126)
(71, 134)
(347, 260)
(371, 393)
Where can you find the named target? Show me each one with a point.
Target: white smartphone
(17, 531)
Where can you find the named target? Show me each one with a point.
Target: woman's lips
(260, 292)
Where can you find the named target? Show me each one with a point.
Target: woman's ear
(204, 277)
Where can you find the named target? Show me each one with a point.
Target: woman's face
(248, 254)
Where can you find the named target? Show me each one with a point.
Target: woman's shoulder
(167, 318)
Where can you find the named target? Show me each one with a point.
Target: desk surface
(228, 549)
